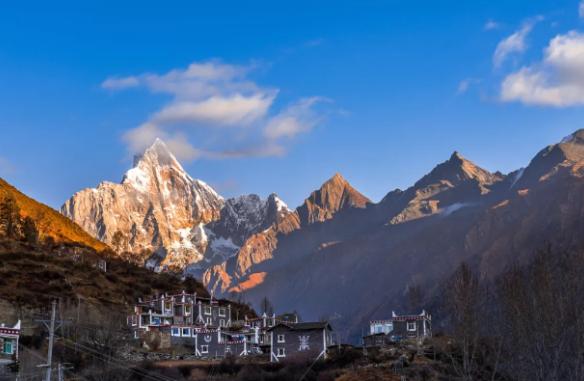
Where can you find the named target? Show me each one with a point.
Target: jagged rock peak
(157, 207)
(575, 138)
(335, 194)
(337, 185)
(158, 154)
(572, 146)
(280, 205)
(456, 170)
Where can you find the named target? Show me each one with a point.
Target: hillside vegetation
(49, 223)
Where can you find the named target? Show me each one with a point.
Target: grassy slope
(49, 222)
(31, 275)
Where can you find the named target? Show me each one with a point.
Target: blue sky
(261, 97)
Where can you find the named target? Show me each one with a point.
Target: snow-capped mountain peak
(158, 207)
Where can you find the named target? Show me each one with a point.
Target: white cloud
(491, 25)
(298, 118)
(120, 83)
(209, 96)
(234, 110)
(515, 43)
(558, 80)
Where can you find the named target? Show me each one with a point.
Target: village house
(205, 326)
(9, 340)
(300, 341)
(177, 312)
(9, 337)
(398, 328)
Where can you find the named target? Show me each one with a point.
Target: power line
(104, 357)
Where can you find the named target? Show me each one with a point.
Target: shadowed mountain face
(342, 256)
(358, 264)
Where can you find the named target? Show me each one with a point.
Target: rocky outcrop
(157, 207)
(237, 273)
(241, 218)
(334, 195)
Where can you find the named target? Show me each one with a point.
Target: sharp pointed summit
(455, 170)
(158, 154)
(157, 207)
(334, 195)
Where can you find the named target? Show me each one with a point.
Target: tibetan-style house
(398, 328)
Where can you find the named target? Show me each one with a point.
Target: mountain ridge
(339, 244)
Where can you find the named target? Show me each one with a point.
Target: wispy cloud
(558, 80)
(465, 85)
(491, 25)
(297, 118)
(218, 97)
(515, 43)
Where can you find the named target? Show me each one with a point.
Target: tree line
(527, 324)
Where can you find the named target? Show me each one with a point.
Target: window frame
(204, 348)
(281, 338)
(414, 324)
(183, 330)
(175, 331)
(281, 352)
(208, 310)
(222, 311)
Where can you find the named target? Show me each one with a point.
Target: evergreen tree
(9, 218)
(31, 234)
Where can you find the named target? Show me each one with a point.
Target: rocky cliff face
(157, 207)
(239, 273)
(180, 222)
(334, 195)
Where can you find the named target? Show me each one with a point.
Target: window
(281, 339)
(208, 310)
(222, 311)
(187, 310)
(228, 349)
(167, 306)
(175, 331)
(281, 352)
(411, 326)
(186, 332)
(204, 349)
(222, 323)
(209, 321)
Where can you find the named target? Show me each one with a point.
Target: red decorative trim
(11, 332)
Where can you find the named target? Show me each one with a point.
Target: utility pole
(51, 340)
(51, 327)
